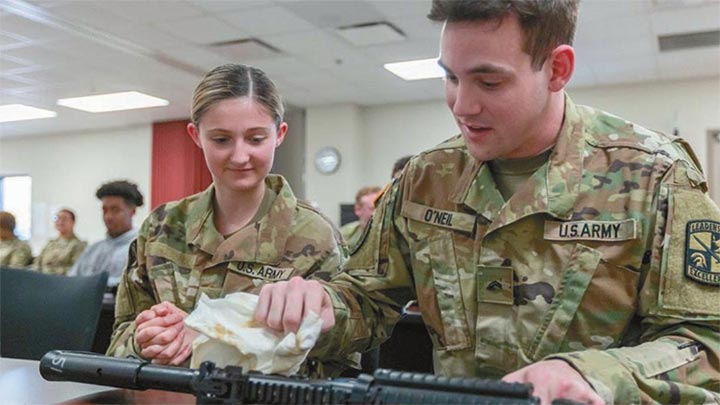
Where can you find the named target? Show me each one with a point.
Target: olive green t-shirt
(510, 174)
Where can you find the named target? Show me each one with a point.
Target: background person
(13, 251)
(60, 253)
(247, 229)
(119, 202)
(400, 165)
(364, 207)
(595, 279)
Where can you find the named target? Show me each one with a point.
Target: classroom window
(15, 198)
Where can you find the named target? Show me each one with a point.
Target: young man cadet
(364, 208)
(119, 202)
(549, 243)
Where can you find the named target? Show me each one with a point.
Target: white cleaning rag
(230, 336)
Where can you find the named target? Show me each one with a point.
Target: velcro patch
(606, 231)
(433, 216)
(261, 271)
(702, 251)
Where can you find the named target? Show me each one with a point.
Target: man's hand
(161, 334)
(555, 379)
(283, 305)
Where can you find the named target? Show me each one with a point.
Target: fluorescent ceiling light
(19, 112)
(416, 69)
(128, 100)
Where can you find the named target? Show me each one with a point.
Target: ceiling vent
(676, 42)
(246, 48)
(375, 33)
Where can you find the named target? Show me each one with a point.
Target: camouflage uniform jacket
(15, 253)
(351, 232)
(179, 254)
(586, 262)
(58, 256)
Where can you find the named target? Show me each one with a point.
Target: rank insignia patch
(702, 251)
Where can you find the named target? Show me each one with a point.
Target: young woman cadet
(245, 230)
(58, 256)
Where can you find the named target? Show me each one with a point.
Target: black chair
(42, 312)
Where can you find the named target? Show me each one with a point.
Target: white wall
(372, 138)
(338, 126)
(692, 106)
(67, 169)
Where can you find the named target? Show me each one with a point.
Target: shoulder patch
(702, 251)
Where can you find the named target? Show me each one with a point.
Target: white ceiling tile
(401, 8)
(408, 50)
(87, 14)
(419, 28)
(8, 64)
(334, 14)
(158, 47)
(195, 30)
(221, 6)
(25, 28)
(8, 38)
(267, 21)
(43, 55)
(150, 11)
(308, 43)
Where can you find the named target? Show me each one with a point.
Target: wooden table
(21, 383)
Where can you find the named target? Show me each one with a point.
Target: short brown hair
(365, 191)
(234, 81)
(7, 221)
(546, 24)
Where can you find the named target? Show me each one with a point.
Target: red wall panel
(178, 166)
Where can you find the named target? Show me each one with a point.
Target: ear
(194, 133)
(562, 65)
(282, 130)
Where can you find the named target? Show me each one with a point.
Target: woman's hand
(161, 334)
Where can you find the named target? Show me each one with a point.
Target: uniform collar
(262, 242)
(552, 189)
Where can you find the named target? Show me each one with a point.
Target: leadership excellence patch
(702, 251)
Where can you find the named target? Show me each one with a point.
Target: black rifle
(230, 385)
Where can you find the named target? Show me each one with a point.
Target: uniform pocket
(447, 280)
(577, 275)
(162, 277)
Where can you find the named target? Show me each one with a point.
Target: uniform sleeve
(368, 295)
(679, 306)
(21, 257)
(37, 262)
(135, 294)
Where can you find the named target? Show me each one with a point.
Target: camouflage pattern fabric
(588, 261)
(15, 253)
(58, 256)
(351, 233)
(179, 254)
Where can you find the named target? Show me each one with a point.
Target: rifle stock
(230, 385)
